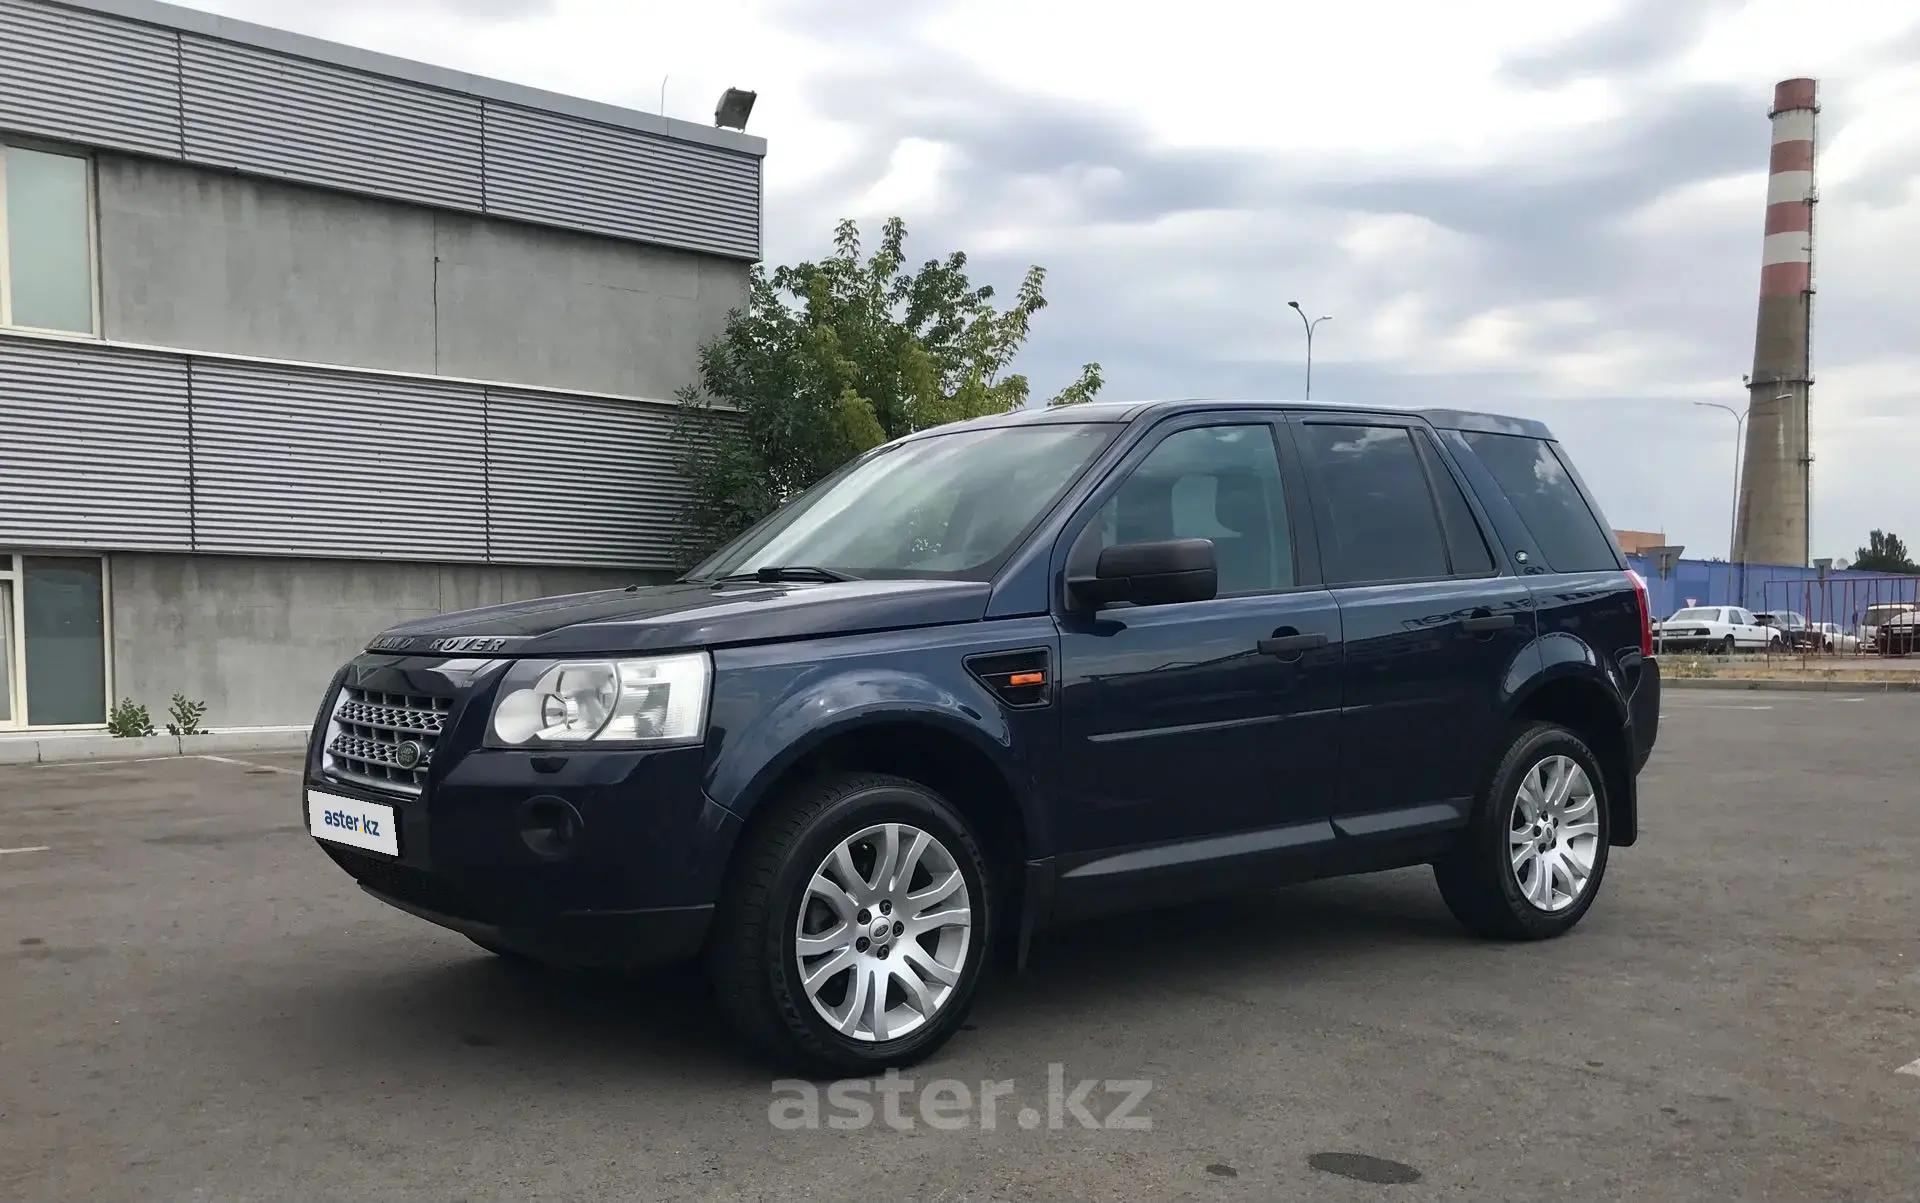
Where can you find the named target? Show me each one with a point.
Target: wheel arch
(952, 758)
(1585, 703)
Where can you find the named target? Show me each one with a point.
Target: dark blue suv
(1006, 674)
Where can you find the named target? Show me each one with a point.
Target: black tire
(1477, 880)
(751, 950)
(1728, 646)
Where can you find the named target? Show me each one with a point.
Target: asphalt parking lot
(195, 1004)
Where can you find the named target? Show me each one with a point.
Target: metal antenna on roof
(663, 94)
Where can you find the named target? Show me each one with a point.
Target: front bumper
(583, 857)
(579, 939)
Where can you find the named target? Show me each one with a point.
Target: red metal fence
(1837, 617)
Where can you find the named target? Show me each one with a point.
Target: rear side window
(1382, 525)
(1565, 533)
(1466, 546)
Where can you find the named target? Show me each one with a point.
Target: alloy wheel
(1553, 833)
(883, 931)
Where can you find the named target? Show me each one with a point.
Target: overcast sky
(1545, 209)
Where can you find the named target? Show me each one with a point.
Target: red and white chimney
(1776, 477)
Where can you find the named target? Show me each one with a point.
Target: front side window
(1210, 482)
(46, 253)
(946, 506)
(53, 641)
(1382, 525)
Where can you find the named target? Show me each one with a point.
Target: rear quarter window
(1566, 534)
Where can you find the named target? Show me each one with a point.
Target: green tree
(830, 358)
(1884, 552)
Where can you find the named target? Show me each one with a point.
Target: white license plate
(350, 821)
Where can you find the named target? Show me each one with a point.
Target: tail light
(1646, 612)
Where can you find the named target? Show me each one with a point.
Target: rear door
(1431, 626)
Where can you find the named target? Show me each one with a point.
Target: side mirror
(1150, 574)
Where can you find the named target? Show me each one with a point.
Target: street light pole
(1295, 306)
(1733, 521)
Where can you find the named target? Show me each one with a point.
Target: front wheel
(854, 929)
(1534, 853)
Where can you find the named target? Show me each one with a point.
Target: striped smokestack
(1772, 527)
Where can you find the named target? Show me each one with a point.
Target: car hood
(680, 616)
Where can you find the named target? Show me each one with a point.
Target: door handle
(1476, 623)
(1289, 647)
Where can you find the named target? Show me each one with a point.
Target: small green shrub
(128, 721)
(186, 715)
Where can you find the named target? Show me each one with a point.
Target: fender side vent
(1022, 680)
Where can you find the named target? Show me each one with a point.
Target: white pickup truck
(1714, 628)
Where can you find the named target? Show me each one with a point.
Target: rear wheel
(1727, 645)
(1536, 849)
(854, 929)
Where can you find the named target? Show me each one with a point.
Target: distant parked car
(1713, 628)
(1795, 630)
(1899, 635)
(1877, 615)
(1832, 637)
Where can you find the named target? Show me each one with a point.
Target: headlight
(656, 700)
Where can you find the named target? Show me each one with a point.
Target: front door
(1432, 630)
(1206, 718)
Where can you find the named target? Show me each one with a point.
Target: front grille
(385, 740)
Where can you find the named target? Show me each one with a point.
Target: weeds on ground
(186, 714)
(130, 721)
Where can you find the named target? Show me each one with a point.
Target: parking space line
(248, 764)
(105, 762)
(34, 848)
(1910, 1068)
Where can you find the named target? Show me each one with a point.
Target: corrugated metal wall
(68, 74)
(116, 449)
(93, 448)
(650, 189)
(273, 115)
(111, 82)
(580, 480)
(292, 461)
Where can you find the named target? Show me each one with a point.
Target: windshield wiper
(788, 572)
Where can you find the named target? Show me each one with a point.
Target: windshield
(1695, 616)
(952, 505)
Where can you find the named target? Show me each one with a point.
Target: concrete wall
(212, 262)
(258, 639)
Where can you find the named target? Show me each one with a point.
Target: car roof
(1125, 412)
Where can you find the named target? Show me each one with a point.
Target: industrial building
(298, 340)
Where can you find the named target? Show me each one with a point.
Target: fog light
(550, 827)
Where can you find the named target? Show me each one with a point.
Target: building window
(53, 641)
(46, 240)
